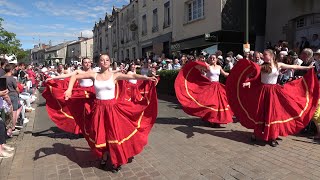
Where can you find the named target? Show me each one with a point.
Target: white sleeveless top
(271, 78)
(86, 82)
(213, 74)
(104, 89)
(133, 81)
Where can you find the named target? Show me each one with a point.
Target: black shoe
(253, 138)
(274, 143)
(103, 163)
(130, 160)
(215, 125)
(115, 169)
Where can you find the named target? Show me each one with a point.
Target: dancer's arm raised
(296, 67)
(63, 76)
(120, 76)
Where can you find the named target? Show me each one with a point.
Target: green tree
(24, 56)
(8, 42)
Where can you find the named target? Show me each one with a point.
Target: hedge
(167, 79)
(166, 83)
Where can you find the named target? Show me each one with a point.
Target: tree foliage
(9, 44)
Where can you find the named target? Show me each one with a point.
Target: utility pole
(246, 45)
(247, 22)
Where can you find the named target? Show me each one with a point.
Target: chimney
(81, 38)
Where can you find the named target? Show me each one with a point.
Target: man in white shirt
(176, 65)
(257, 59)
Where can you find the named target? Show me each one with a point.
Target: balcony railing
(155, 28)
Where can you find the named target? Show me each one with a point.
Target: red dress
(200, 97)
(56, 106)
(121, 125)
(271, 110)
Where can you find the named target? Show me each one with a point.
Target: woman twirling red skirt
(200, 97)
(119, 126)
(57, 108)
(271, 110)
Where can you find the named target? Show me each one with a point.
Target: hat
(220, 57)
(293, 54)
(317, 52)
(285, 53)
(239, 57)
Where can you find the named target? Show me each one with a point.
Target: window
(122, 36)
(128, 52)
(144, 3)
(301, 22)
(107, 40)
(195, 9)
(127, 15)
(133, 35)
(316, 19)
(100, 44)
(114, 37)
(134, 53)
(155, 21)
(144, 25)
(167, 17)
(122, 55)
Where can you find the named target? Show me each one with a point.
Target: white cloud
(84, 11)
(11, 9)
(87, 33)
(53, 26)
(48, 34)
(12, 27)
(67, 11)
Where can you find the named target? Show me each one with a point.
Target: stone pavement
(180, 147)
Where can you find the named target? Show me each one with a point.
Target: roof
(58, 47)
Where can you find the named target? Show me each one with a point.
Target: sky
(35, 21)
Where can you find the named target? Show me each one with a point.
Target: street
(180, 147)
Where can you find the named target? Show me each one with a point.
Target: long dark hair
(266, 67)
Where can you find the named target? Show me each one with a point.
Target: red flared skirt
(119, 126)
(57, 108)
(200, 97)
(271, 110)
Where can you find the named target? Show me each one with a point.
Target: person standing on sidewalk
(13, 94)
(5, 150)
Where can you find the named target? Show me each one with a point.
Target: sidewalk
(180, 147)
(7, 164)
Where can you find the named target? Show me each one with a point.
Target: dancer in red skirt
(270, 109)
(114, 127)
(203, 96)
(54, 94)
